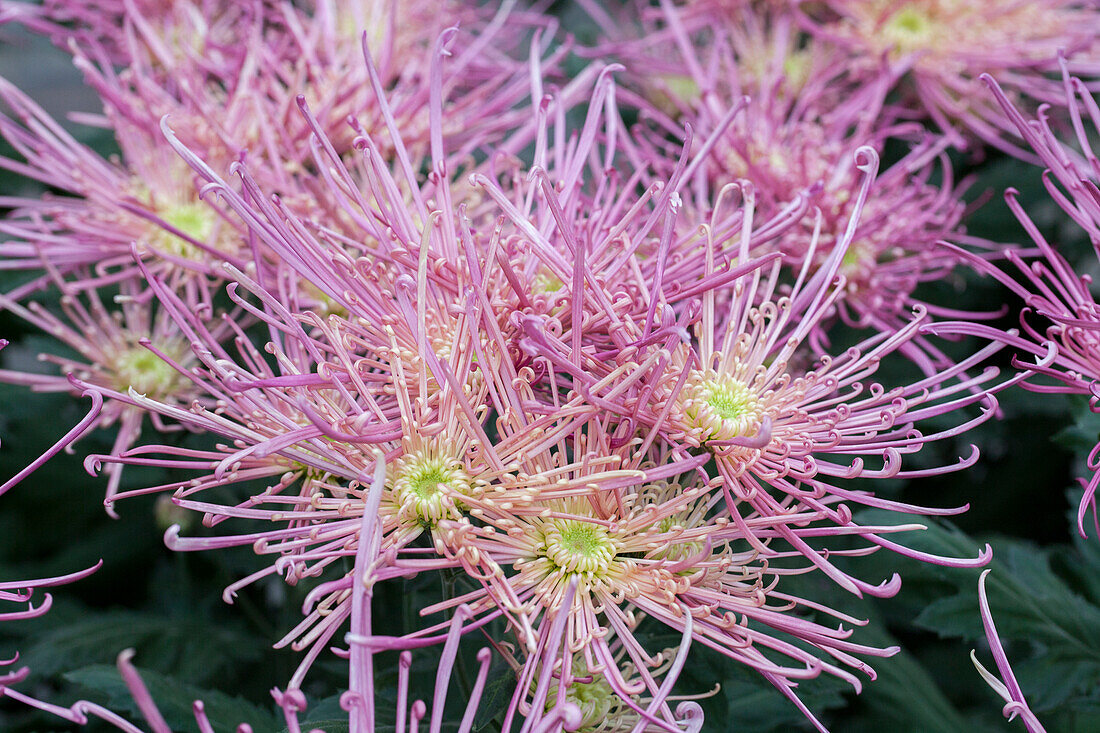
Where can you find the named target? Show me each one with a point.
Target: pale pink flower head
(165, 35)
(123, 350)
(783, 117)
(463, 52)
(680, 56)
(103, 207)
(580, 572)
(945, 45)
(743, 389)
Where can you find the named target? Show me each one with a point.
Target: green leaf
(99, 637)
(174, 698)
(1084, 433)
(332, 725)
(757, 706)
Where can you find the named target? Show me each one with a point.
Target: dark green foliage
(174, 699)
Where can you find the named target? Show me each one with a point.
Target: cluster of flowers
(451, 314)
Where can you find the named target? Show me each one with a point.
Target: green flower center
(424, 488)
(908, 30)
(796, 67)
(721, 406)
(731, 401)
(146, 373)
(424, 484)
(195, 220)
(858, 263)
(546, 282)
(577, 546)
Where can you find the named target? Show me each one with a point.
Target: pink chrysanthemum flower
(795, 134)
(251, 112)
(744, 390)
(417, 48)
(630, 550)
(759, 47)
(124, 351)
(147, 198)
(603, 711)
(149, 33)
(946, 44)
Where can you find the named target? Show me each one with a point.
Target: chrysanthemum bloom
(945, 44)
(430, 472)
(1061, 311)
(602, 562)
(775, 428)
(124, 348)
(601, 709)
(746, 395)
(550, 692)
(249, 112)
(796, 134)
(359, 700)
(760, 47)
(1008, 690)
(460, 51)
(148, 198)
(150, 33)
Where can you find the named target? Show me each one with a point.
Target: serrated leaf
(1052, 681)
(98, 638)
(906, 695)
(324, 711)
(174, 698)
(954, 616)
(757, 706)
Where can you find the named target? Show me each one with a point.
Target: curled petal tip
(171, 536)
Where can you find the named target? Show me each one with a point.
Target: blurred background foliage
(1044, 590)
